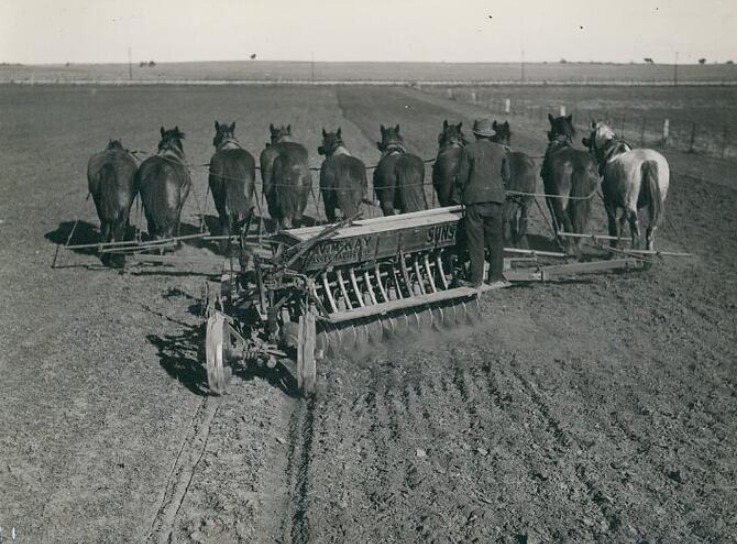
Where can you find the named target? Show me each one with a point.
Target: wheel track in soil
(183, 469)
(295, 522)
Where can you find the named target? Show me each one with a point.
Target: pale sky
(82, 31)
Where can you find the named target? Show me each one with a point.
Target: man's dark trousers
(483, 222)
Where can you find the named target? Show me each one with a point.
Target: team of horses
(630, 180)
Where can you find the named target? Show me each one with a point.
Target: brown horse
(570, 178)
(342, 177)
(523, 179)
(632, 179)
(451, 141)
(286, 177)
(399, 176)
(164, 183)
(111, 179)
(231, 181)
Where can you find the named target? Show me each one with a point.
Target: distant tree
(729, 62)
(151, 64)
(702, 61)
(648, 60)
(141, 64)
(562, 61)
(253, 56)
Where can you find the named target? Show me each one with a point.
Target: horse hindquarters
(523, 179)
(410, 175)
(291, 183)
(384, 185)
(238, 183)
(164, 189)
(328, 186)
(445, 170)
(351, 184)
(655, 200)
(584, 183)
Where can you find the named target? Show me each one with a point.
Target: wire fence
(637, 126)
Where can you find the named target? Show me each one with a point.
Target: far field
(400, 72)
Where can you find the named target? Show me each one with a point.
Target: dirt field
(601, 409)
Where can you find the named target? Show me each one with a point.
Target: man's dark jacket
(483, 172)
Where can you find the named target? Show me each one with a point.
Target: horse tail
(351, 183)
(291, 182)
(410, 178)
(650, 182)
(583, 186)
(238, 183)
(444, 174)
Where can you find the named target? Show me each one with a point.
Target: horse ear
(459, 125)
(233, 126)
(445, 124)
(397, 129)
(551, 119)
(506, 124)
(289, 128)
(338, 132)
(494, 124)
(217, 125)
(382, 129)
(271, 128)
(568, 118)
(324, 133)
(594, 124)
(162, 131)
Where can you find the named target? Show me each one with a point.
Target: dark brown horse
(570, 178)
(286, 177)
(451, 141)
(111, 179)
(521, 188)
(164, 183)
(342, 177)
(231, 180)
(399, 176)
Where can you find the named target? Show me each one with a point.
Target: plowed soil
(596, 409)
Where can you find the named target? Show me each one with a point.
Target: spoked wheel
(306, 364)
(217, 342)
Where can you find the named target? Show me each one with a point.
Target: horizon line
(728, 62)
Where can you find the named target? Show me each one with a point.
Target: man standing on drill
(483, 174)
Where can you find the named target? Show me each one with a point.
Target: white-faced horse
(632, 179)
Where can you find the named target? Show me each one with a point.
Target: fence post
(691, 138)
(665, 133)
(562, 111)
(473, 96)
(507, 105)
(450, 93)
